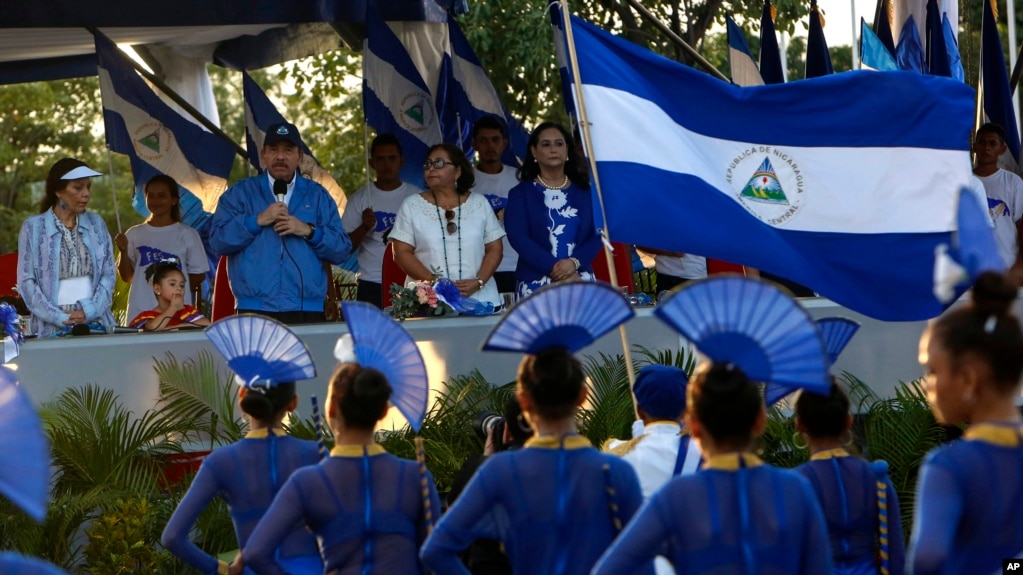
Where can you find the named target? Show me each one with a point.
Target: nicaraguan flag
(770, 56)
(156, 138)
(396, 98)
(467, 95)
(744, 69)
(561, 55)
(818, 58)
(955, 61)
(910, 52)
(873, 53)
(997, 97)
(785, 178)
(260, 113)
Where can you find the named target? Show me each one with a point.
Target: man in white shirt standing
(494, 180)
(370, 214)
(1004, 195)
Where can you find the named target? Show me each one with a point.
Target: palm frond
(194, 392)
(609, 410)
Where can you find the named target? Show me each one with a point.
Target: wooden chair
(623, 266)
(390, 273)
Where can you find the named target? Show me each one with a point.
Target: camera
(486, 421)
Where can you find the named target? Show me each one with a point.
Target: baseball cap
(282, 131)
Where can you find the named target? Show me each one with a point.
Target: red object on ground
(623, 266)
(178, 466)
(723, 267)
(390, 273)
(8, 273)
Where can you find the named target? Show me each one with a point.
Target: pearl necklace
(544, 183)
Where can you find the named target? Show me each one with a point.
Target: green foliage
(121, 540)
(196, 396)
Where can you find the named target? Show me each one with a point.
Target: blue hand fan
(836, 333)
(15, 564)
(754, 325)
(24, 452)
(260, 350)
(571, 315)
(383, 344)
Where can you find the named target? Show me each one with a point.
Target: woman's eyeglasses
(449, 215)
(437, 164)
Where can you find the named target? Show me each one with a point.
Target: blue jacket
(264, 275)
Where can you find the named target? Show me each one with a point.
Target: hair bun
(993, 294)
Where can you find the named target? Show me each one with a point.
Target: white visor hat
(80, 172)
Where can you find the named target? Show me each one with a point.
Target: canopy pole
(652, 18)
(180, 101)
(584, 130)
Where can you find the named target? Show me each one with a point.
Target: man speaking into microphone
(277, 229)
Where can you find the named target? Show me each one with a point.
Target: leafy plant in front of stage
(200, 398)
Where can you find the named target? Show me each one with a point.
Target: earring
(847, 438)
(63, 206)
(523, 423)
(799, 441)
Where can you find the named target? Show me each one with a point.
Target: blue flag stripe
(817, 113)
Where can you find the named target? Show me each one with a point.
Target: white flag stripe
(170, 160)
(477, 86)
(927, 180)
(744, 70)
(386, 82)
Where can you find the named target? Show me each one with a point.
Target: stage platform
(882, 354)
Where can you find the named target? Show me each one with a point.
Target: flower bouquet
(416, 299)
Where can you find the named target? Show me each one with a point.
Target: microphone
(280, 190)
(80, 329)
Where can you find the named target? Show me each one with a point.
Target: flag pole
(113, 190)
(652, 18)
(206, 123)
(365, 147)
(584, 131)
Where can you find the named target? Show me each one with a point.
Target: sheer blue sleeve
(457, 529)
(633, 551)
(938, 511)
(175, 535)
(284, 513)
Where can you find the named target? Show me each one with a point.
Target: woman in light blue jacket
(65, 256)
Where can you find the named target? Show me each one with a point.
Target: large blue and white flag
(260, 114)
(784, 178)
(157, 139)
(874, 55)
(996, 94)
(467, 95)
(744, 69)
(396, 98)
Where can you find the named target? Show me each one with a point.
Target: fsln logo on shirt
(1012, 566)
(385, 221)
(148, 255)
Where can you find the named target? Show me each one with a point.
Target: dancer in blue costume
(848, 490)
(370, 510)
(249, 473)
(735, 515)
(970, 493)
(557, 503)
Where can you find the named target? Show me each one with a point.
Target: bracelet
(481, 282)
(576, 262)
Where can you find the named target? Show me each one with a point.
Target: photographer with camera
(485, 557)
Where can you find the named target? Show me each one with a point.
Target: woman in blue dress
(549, 215)
(364, 505)
(848, 490)
(249, 473)
(736, 515)
(970, 493)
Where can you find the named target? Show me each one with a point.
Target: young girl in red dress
(170, 311)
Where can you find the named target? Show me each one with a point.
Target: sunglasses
(437, 164)
(449, 215)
